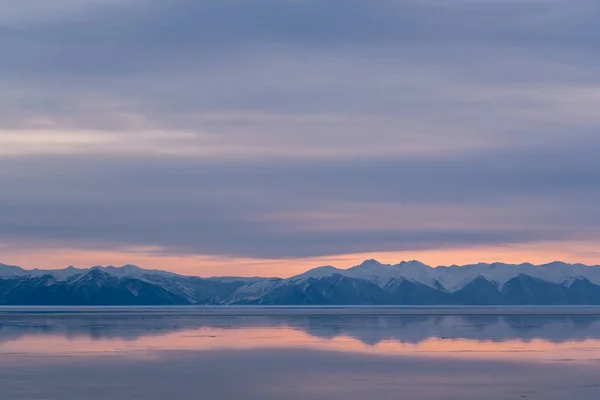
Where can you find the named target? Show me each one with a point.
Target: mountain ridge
(371, 282)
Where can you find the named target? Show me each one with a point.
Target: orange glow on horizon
(207, 265)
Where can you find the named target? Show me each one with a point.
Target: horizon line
(310, 269)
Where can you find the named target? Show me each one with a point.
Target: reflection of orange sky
(287, 338)
(202, 265)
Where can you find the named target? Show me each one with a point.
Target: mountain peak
(125, 268)
(556, 264)
(94, 274)
(316, 273)
(406, 283)
(412, 263)
(370, 262)
(11, 270)
(9, 266)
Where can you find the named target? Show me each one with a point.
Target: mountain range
(370, 283)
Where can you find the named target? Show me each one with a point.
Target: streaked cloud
(280, 129)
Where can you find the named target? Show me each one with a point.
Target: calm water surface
(299, 353)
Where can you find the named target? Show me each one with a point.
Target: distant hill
(370, 283)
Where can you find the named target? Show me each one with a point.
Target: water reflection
(539, 337)
(159, 354)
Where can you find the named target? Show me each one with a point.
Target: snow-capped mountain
(455, 277)
(406, 283)
(126, 271)
(376, 272)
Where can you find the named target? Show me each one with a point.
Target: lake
(300, 353)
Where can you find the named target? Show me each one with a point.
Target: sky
(266, 137)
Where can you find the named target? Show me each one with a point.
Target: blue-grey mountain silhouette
(371, 283)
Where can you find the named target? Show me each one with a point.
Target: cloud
(298, 128)
(296, 208)
(162, 63)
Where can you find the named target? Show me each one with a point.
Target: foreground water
(300, 353)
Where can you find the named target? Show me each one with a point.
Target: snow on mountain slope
(59, 274)
(126, 271)
(455, 277)
(317, 273)
(450, 278)
(375, 272)
(133, 271)
(382, 274)
(11, 270)
(254, 290)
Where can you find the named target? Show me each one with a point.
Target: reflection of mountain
(368, 329)
(371, 283)
(415, 329)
